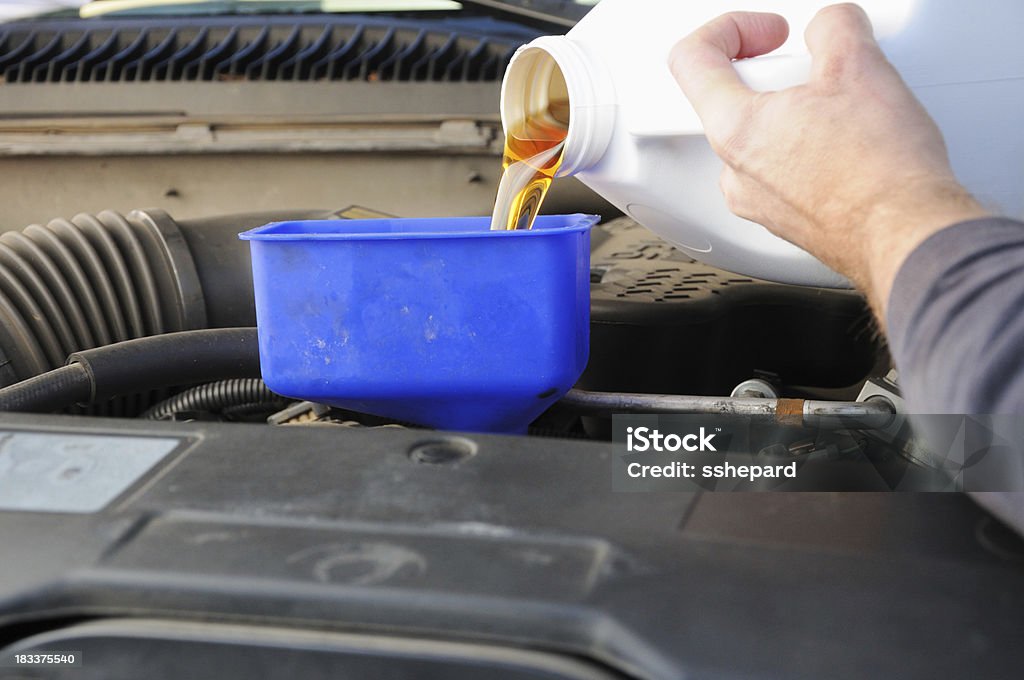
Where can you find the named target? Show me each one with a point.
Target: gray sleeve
(956, 320)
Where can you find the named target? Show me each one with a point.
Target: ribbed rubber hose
(71, 285)
(169, 360)
(214, 397)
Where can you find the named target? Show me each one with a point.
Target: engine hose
(214, 397)
(133, 366)
(72, 285)
(48, 392)
(76, 284)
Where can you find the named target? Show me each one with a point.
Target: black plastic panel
(125, 649)
(521, 546)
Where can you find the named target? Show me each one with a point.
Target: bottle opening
(553, 92)
(536, 128)
(536, 99)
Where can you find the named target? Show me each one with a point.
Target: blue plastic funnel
(437, 322)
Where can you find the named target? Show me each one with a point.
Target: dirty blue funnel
(437, 322)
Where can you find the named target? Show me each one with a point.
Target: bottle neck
(557, 64)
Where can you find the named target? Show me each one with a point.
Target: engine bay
(95, 280)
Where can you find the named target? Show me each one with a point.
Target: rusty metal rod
(824, 414)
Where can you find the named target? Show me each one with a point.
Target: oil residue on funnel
(533, 154)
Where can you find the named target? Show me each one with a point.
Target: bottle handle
(767, 73)
(775, 71)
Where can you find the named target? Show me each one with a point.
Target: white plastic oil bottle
(634, 138)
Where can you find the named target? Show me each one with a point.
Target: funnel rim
(575, 223)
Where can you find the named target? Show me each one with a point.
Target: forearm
(896, 225)
(955, 320)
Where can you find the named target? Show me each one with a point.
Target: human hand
(849, 167)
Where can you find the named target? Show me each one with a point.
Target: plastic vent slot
(267, 48)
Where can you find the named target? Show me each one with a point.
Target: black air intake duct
(93, 280)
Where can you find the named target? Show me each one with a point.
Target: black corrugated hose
(168, 360)
(214, 397)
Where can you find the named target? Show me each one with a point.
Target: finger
(702, 62)
(840, 38)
